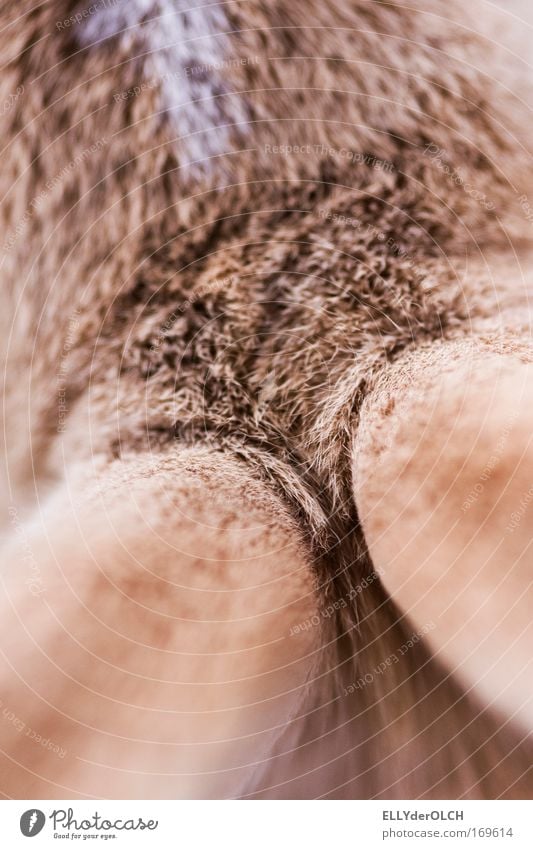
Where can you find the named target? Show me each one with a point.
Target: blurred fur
(249, 301)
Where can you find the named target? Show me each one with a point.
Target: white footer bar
(267, 825)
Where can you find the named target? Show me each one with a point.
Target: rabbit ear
(148, 616)
(442, 476)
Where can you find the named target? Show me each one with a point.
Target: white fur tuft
(186, 49)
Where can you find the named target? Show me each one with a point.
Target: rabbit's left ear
(443, 478)
(157, 620)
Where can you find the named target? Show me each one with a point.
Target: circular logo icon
(32, 822)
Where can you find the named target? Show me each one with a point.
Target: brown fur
(238, 313)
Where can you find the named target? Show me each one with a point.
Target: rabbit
(267, 380)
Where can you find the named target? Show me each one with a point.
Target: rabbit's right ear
(443, 468)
